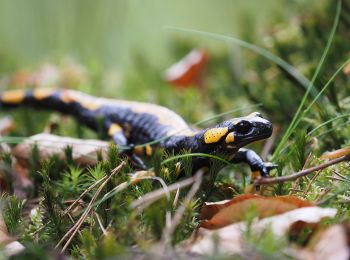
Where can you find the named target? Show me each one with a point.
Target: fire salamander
(130, 123)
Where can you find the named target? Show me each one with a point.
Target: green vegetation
(292, 68)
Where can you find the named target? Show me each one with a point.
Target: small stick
(76, 227)
(176, 199)
(153, 196)
(340, 175)
(83, 194)
(169, 230)
(299, 174)
(100, 223)
(336, 179)
(73, 204)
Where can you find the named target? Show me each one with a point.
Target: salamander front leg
(254, 161)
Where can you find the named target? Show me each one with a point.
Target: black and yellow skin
(131, 123)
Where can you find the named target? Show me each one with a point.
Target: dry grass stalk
(72, 232)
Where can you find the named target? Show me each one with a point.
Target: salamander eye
(243, 127)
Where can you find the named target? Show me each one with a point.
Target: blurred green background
(109, 32)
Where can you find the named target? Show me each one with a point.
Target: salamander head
(238, 132)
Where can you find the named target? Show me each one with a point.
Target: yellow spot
(42, 93)
(114, 128)
(90, 105)
(148, 150)
(66, 97)
(13, 96)
(214, 135)
(230, 138)
(138, 150)
(86, 101)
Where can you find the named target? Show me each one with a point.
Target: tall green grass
(298, 116)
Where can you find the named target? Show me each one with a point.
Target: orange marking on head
(13, 96)
(230, 138)
(214, 135)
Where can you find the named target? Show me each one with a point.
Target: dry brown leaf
(6, 125)
(225, 213)
(229, 239)
(189, 70)
(84, 151)
(335, 154)
(209, 209)
(330, 243)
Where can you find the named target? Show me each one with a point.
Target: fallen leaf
(335, 154)
(221, 214)
(209, 209)
(84, 151)
(230, 239)
(189, 70)
(329, 243)
(6, 125)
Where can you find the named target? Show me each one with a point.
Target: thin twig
(295, 190)
(77, 225)
(100, 223)
(153, 196)
(299, 174)
(169, 230)
(71, 219)
(336, 179)
(83, 194)
(176, 199)
(310, 182)
(340, 175)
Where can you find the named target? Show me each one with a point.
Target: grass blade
(298, 115)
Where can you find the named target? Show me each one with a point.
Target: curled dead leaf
(230, 239)
(6, 125)
(221, 214)
(84, 151)
(335, 154)
(189, 70)
(330, 243)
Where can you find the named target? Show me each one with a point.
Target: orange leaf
(189, 70)
(209, 209)
(230, 239)
(235, 210)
